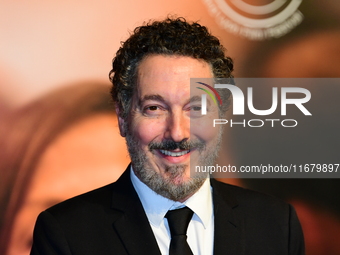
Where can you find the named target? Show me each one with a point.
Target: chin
(179, 180)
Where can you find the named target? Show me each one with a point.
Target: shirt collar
(156, 206)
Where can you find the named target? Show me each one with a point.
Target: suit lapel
(229, 235)
(130, 222)
(133, 228)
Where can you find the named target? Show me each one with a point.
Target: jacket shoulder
(245, 197)
(100, 198)
(266, 224)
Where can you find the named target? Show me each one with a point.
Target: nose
(178, 127)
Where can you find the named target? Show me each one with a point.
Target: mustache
(172, 145)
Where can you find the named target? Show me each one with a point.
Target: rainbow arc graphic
(217, 96)
(214, 95)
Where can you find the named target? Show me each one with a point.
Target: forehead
(170, 73)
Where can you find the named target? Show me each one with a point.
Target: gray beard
(165, 186)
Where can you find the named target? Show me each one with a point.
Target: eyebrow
(195, 99)
(155, 97)
(159, 98)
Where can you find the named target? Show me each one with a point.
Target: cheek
(207, 133)
(204, 129)
(146, 131)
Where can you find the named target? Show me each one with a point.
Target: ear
(121, 122)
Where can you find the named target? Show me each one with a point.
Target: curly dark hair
(169, 37)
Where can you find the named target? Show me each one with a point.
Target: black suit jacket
(111, 220)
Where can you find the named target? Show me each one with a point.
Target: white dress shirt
(201, 227)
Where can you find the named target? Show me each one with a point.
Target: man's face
(165, 130)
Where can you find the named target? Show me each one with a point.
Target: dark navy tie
(178, 223)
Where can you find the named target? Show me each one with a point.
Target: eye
(196, 108)
(153, 110)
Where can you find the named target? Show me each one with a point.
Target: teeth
(174, 154)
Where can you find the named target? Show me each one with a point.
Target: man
(165, 134)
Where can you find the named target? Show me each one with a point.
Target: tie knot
(179, 220)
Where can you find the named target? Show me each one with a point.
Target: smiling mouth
(173, 153)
